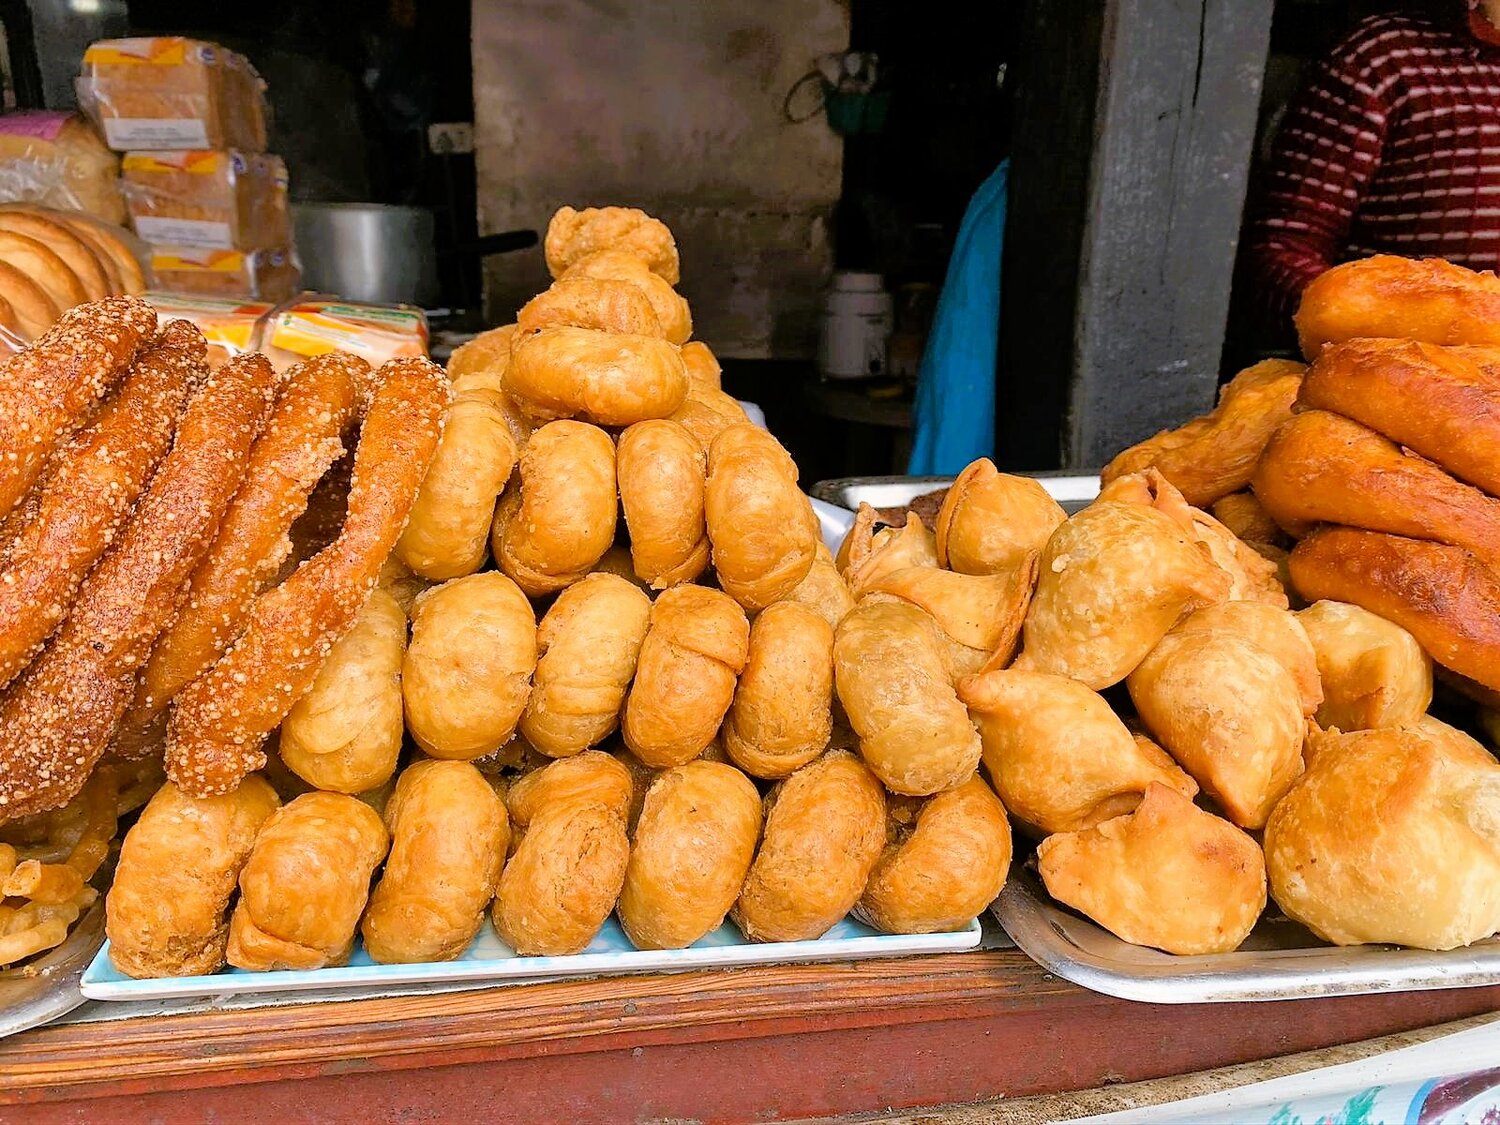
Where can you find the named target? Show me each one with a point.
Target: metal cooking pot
(371, 252)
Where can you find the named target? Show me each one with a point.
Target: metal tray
(1071, 490)
(1279, 961)
(47, 987)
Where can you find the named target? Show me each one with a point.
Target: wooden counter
(752, 1044)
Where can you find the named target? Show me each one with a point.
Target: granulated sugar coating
(221, 720)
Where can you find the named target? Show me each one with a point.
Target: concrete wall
(674, 106)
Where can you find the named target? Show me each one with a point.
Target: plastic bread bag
(173, 93)
(124, 257)
(57, 160)
(264, 275)
(315, 325)
(231, 327)
(208, 200)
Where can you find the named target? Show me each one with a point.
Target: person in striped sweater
(1391, 147)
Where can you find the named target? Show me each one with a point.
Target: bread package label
(376, 333)
(208, 200)
(230, 324)
(267, 275)
(170, 93)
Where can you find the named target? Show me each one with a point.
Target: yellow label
(168, 51)
(210, 261)
(316, 328)
(198, 163)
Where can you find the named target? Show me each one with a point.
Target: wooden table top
(720, 1046)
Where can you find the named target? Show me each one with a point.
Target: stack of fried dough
(146, 514)
(1377, 467)
(51, 261)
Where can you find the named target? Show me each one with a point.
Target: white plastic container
(856, 325)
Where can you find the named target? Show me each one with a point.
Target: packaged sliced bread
(173, 93)
(265, 275)
(315, 326)
(57, 160)
(207, 199)
(231, 327)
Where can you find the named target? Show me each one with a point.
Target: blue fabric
(954, 416)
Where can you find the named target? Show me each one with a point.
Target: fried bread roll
(991, 521)
(317, 401)
(178, 866)
(1246, 519)
(1229, 712)
(782, 714)
(449, 834)
(59, 716)
(1392, 835)
(980, 616)
(616, 561)
(672, 312)
(1373, 672)
(603, 304)
(824, 831)
(1442, 595)
(1323, 468)
(567, 870)
(942, 869)
(1114, 578)
(866, 554)
(1277, 632)
(604, 377)
(1214, 455)
(89, 492)
(763, 529)
(690, 853)
(34, 310)
(695, 648)
(345, 734)
(662, 471)
(704, 372)
(1167, 875)
(1059, 757)
(1376, 382)
(894, 683)
(220, 721)
(482, 360)
(1424, 299)
(824, 590)
(50, 389)
(588, 642)
(305, 884)
(573, 235)
(449, 530)
(467, 674)
(397, 581)
(555, 525)
(707, 410)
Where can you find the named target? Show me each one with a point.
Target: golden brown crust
(1277, 632)
(482, 360)
(672, 311)
(704, 372)
(897, 690)
(689, 855)
(62, 241)
(305, 884)
(1426, 299)
(449, 834)
(604, 377)
(467, 673)
(1246, 518)
(991, 521)
(60, 715)
(590, 778)
(1373, 672)
(1214, 455)
(1442, 595)
(126, 275)
(165, 914)
(824, 590)
(89, 492)
(1059, 758)
(573, 235)
(603, 304)
(43, 265)
(588, 643)
(763, 529)
(866, 554)
(946, 870)
(1167, 875)
(220, 721)
(34, 310)
(696, 646)
(662, 471)
(49, 389)
(555, 523)
(782, 714)
(824, 831)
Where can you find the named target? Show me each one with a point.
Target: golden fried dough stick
(672, 311)
(1323, 468)
(1443, 403)
(222, 718)
(601, 303)
(1443, 595)
(1212, 456)
(572, 235)
(316, 403)
(605, 377)
(90, 491)
(61, 713)
(1429, 299)
(48, 390)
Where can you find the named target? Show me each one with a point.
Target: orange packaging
(264, 275)
(173, 93)
(315, 326)
(231, 327)
(210, 200)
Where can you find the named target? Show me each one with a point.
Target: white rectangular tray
(488, 958)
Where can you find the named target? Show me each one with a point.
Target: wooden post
(1135, 120)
